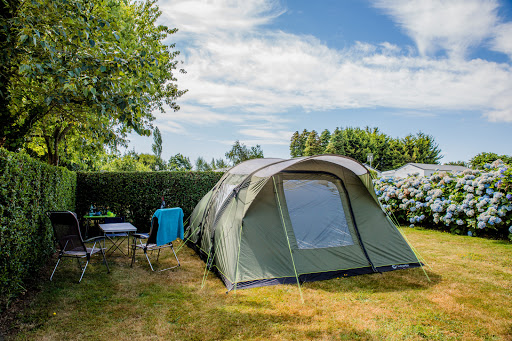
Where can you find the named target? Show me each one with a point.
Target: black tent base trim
(320, 276)
(315, 276)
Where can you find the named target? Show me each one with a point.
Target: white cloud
(454, 25)
(212, 17)
(502, 41)
(239, 72)
(265, 136)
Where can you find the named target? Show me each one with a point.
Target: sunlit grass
(469, 298)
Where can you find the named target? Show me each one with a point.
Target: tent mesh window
(316, 213)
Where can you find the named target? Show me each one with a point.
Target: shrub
(136, 195)
(28, 188)
(473, 202)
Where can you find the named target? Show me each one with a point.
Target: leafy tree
(313, 145)
(325, 138)
(127, 163)
(298, 143)
(153, 162)
(478, 161)
(157, 143)
(202, 165)
(218, 164)
(388, 153)
(90, 68)
(240, 153)
(336, 145)
(420, 148)
(354, 143)
(179, 162)
(8, 34)
(295, 145)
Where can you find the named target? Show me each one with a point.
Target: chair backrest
(67, 230)
(153, 231)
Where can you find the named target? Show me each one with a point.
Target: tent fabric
(268, 221)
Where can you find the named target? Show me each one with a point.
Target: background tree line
(132, 161)
(388, 152)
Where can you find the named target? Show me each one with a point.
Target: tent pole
(186, 240)
(238, 257)
(288, 240)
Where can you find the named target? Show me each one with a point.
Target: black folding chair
(70, 243)
(151, 245)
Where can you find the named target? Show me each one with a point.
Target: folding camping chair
(70, 243)
(151, 244)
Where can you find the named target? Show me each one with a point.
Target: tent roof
(267, 167)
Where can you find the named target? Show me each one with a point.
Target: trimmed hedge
(28, 188)
(136, 195)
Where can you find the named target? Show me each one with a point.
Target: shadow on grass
(394, 281)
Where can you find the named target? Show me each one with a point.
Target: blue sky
(258, 70)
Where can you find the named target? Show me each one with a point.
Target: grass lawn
(469, 298)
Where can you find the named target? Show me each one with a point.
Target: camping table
(115, 228)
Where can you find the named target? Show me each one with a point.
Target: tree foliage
(240, 153)
(179, 162)
(313, 145)
(298, 143)
(157, 143)
(388, 152)
(478, 161)
(95, 69)
(202, 165)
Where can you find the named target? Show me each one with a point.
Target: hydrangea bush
(474, 202)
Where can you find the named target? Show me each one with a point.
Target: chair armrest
(141, 235)
(94, 239)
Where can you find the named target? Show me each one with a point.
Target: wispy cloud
(453, 26)
(502, 41)
(238, 69)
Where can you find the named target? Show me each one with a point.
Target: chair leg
(134, 246)
(56, 265)
(150, 265)
(85, 267)
(105, 260)
(158, 255)
(172, 248)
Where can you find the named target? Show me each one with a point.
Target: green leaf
(92, 42)
(23, 38)
(103, 68)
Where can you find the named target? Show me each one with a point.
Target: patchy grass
(469, 298)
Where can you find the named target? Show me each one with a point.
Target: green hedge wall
(28, 188)
(136, 195)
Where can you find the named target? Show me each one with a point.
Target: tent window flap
(316, 213)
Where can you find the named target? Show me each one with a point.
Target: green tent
(270, 221)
